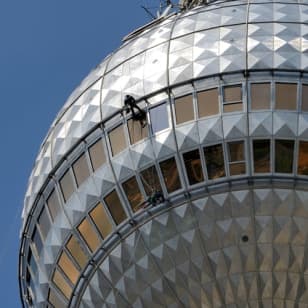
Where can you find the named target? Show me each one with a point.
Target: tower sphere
(176, 174)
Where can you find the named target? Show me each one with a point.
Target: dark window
(302, 167)
(159, 118)
(208, 103)
(286, 94)
(236, 158)
(97, 155)
(184, 109)
(117, 140)
(150, 180)
(136, 131)
(260, 96)
(305, 97)
(101, 220)
(115, 207)
(53, 205)
(233, 98)
(284, 156)
(67, 185)
(214, 158)
(133, 193)
(171, 175)
(261, 156)
(81, 169)
(193, 167)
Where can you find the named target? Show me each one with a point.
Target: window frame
(168, 111)
(219, 102)
(228, 155)
(271, 156)
(240, 85)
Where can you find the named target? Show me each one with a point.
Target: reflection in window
(76, 251)
(44, 223)
(208, 103)
(159, 118)
(136, 131)
(286, 94)
(303, 158)
(97, 154)
(193, 167)
(89, 235)
(232, 98)
(81, 169)
(59, 280)
(284, 156)
(236, 158)
(184, 109)
(117, 140)
(261, 155)
(133, 193)
(37, 241)
(170, 173)
(101, 220)
(67, 185)
(260, 95)
(305, 97)
(214, 159)
(53, 205)
(54, 300)
(150, 180)
(68, 267)
(115, 207)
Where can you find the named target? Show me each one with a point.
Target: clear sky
(47, 48)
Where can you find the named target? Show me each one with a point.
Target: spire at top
(188, 4)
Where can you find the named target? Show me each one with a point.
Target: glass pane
(284, 156)
(260, 95)
(117, 140)
(67, 185)
(159, 118)
(214, 158)
(62, 284)
(81, 169)
(136, 131)
(76, 251)
(44, 223)
(184, 109)
(303, 158)
(32, 262)
(37, 241)
(89, 235)
(261, 156)
(150, 180)
(68, 267)
(97, 155)
(53, 205)
(305, 97)
(233, 93)
(133, 193)
(170, 173)
(115, 207)
(55, 300)
(237, 168)
(101, 220)
(286, 96)
(208, 103)
(236, 151)
(193, 167)
(233, 107)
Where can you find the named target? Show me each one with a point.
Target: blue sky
(47, 47)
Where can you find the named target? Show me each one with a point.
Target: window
(136, 131)
(260, 94)
(101, 220)
(81, 169)
(76, 251)
(232, 98)
(184, 109)
(117, 140)
(44, 223)
(302, 167)
(89, 235)
(170, 173)
(97, 155)
(133, 193)
(193, 167)
(305, 97)
(284, 156)
(68, 267)
(236, 157)
(150, 180)
(115, 207)
(54, 299)
(286, 94)
(159, 118)
(59, 280)
(37, 241)
(32, 262)
(53, 205)
(67, 185)
(214, 159)
(208, 103)
(261, 155)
